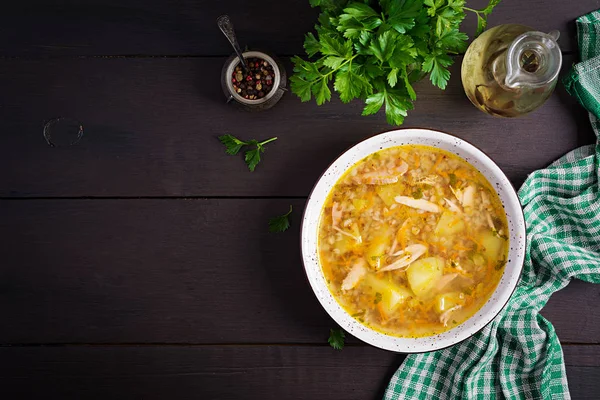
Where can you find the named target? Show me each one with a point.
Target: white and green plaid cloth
(518, 355)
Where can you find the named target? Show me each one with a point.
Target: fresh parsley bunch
(375, 51)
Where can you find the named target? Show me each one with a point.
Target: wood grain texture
(225, 372)
(178, 271)
(151, 128)
(127, 27)
(182, 298)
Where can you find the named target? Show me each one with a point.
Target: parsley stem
(472, 10)
(267, 141)
(341, 65)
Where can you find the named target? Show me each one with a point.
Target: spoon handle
(226, 26)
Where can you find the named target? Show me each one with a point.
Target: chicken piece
(468, 197)
(490, 222)
(419, 204)
(382, 176)
(452, 206)
(410, 254)
(445, 317)
(458, 194)
(357, 272)
(445, 280)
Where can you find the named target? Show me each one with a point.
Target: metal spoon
(226, 27)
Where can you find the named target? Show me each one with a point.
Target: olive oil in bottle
(510, 70)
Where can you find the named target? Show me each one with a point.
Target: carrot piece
(382, 313)
(401, 236)
(461, 174)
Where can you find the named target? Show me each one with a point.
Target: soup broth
(412, 241)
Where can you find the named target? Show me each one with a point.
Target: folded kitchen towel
(518, 355)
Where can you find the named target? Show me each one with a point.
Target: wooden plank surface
(178, 271)
(131, 296)
(132, 27)
(151, 127)
(225, 372)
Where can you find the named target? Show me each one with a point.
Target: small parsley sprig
(375, 51)
(233, 146)
(336, 338)
(482, 15)
(280, 223)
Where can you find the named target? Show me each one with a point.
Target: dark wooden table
(136, 264)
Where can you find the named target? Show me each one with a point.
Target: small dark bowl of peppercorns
(260, 86)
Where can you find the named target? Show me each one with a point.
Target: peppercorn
(254, 83)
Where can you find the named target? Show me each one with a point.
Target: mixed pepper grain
(255, 83)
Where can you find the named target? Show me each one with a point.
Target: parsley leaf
(336, 338)
(392, 77)
(437, 65)
(383, 46)
(311, 44)
(252, 157)
(332, 46)
(233, 145)
(350, 84)
(374, 103)
(482, 15)
(321, 91)
(301, 87)
(333, 62)
(280, 223)
(409, 88)
(402, 14)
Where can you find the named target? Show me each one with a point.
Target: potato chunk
(392, 294)
(387, 193)
(377, 249)
(424, 274)
(446, 301)
(449, 224)
(493, 245)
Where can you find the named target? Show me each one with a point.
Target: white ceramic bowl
(516, 227)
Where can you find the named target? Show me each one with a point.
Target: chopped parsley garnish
(500, 265)
(378, 298)
(418, 193)
(453, 179)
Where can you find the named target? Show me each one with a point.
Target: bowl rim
(388, 342)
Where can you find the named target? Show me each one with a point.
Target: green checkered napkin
(518, 355)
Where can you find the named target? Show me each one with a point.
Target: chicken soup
(412, 241)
